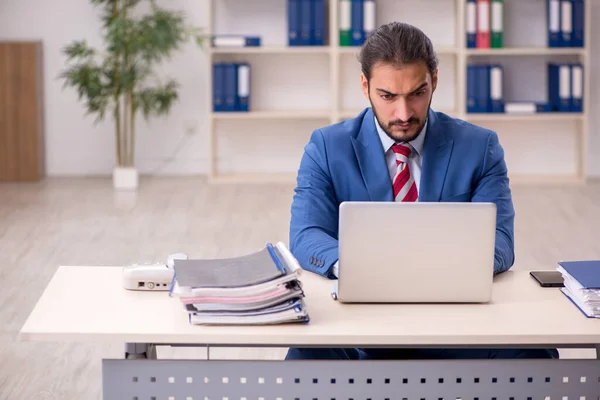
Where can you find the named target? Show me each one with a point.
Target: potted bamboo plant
(119, 80)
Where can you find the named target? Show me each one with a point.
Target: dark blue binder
(482, 98)
(306, 22)
(357, 33)
(577, 86)
(553, 85)
(553, 23)
(587, 272)
(566, 23)
(472, 35)
(319, 26)
(218, 88)
(577, 38)
(293, 11)
(471, 88)
(231, 86)
(243, 86)
(497, 105)
(565, 88)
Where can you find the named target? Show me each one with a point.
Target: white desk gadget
(155, 277)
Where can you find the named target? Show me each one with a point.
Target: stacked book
(582, 285)
(485, 24)
(259, 288)
(485, 90)
(566, 23)
(231, 86)
(307, 22)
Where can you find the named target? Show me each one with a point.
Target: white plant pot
(125, 178)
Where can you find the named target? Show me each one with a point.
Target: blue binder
(306, 22)
(471, 88)
(553, 84)
(497, 105)
(357, 32)
(293, 11)
(482, 98)
(577, 37)
(471, 21)
(553, 22)
(231, 86)
(559, 87)
(319, 28)
(566, 23)
(587, 273)
(577, 85)
(243, 87)
(218, 88)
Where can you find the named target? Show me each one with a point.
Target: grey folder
(245, 270)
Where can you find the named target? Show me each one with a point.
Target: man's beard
(401, 136)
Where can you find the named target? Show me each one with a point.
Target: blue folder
(318, 19)
(230, 86)
(553, 15)
(577, 37)
(218, 87)
(472, 36)
(293, 11)
(306, 22)
(472, 88)
(356, 31)
(587, 273)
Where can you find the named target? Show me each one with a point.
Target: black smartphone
(548, 278)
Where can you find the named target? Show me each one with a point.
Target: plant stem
(131, 128)
(126, 129)
(116, 98)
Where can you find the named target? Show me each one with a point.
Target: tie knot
(402, 151)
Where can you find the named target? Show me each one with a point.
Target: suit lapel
(371, 160)
(437, 149)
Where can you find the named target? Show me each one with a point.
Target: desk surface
(89, 304)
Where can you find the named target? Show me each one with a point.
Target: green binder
(345, 19)
(497, 17)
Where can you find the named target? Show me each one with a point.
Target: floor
(84, 222)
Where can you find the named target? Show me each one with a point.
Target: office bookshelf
(454, 58)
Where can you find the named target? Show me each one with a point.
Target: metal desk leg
(135, 351)
(598, 351)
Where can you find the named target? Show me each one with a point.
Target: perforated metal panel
(351, 380)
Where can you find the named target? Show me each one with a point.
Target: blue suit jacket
(346, 162)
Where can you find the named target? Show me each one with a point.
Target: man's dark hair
(397, 44)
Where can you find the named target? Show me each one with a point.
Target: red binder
(483, 24)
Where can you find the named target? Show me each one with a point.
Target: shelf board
(253, 178)
(346, 114)
(300, 114)
(356, 49)
(552, 116)
(271, 50)
(526, 51)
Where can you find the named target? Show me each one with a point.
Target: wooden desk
(89, 304)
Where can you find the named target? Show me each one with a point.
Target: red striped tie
(405, 188)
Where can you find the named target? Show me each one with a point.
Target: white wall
(74, 146)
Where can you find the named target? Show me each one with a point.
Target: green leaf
(156, 100)
(78, 49)
(87, 79)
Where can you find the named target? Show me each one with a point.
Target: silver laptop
(394, 252)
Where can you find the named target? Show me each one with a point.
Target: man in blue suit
(399, 149)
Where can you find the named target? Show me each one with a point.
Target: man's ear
(364, 83)
(434, 80)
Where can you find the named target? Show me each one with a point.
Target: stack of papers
(582, 285)
(258, 288)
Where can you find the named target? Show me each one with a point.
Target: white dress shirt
(415, 161)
